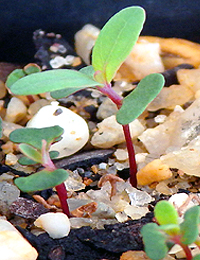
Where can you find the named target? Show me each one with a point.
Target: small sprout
(35, 143)
(159, 238)
(112, 47)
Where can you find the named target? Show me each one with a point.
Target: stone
(8, 194)
(135, 212)
(8, 127)
(16, 110)
(143, 60)
(57, 225)
(154, 171)
(189, 78)
(85, 40)
(110, 132)
(13, 245)
(158, 139)
(170, 97)
(76, 132)
(3, 90)
(106, 109)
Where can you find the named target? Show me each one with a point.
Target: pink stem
(62, 194)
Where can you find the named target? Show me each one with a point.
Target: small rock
(143, 60)
(57, 225)
(171, 96)
(13, 245)
(76, 131)
(16, 110)
(106, 109)
(11, 159)
(8, 194)
(189, 78)
(3, 90)
(154, 171)
(135, 212)
(110, 132)
(84, 41)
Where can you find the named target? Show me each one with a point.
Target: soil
(84, 243)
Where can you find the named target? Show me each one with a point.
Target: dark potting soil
(90, 244)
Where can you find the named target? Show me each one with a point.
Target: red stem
(131, 155)
(186, 249)
(62, 194)
(109, 92)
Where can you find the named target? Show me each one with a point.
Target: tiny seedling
(112, 47)
(159, 238)
(35, 143)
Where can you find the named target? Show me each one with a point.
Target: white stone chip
(57, 225)
(110, 132)
(12, 244)
(76, 132)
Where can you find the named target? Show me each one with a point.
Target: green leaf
(116, 40)
(154, 241)
(136, 102)
(51, 80)
(189, 227)
(31, 152)
(41, 180)
(26, 161)
(31, 68)
(165, 213)
(89, 71)
(34, 136)
(65, 92)
(196, 257)
(170, 229)
(14, 76)
(53, 154)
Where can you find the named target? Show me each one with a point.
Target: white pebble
(76, 132)
(12, 244)
(57, 225)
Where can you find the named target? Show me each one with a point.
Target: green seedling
(35, 143)
(159, 238)
(112, 47)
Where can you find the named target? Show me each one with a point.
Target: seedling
(112, 47)
(159, 238)
(35, 143)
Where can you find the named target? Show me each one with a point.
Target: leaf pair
(159, 239)
(35, 144)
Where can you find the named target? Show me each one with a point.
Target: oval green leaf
(116, 40)
(154, 241)
(189, 227)
(26, 161)
(196, 257)
(31, 152)
(34, 136)
(14, 76)
(165, 213)
(41, 180)
(51, 80)
(136, 102)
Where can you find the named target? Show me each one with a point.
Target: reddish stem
(131, 155)
(109, 92)
(186, 249)
(62, 194)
